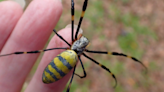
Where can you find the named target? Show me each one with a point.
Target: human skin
(29, 31)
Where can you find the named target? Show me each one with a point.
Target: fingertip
(10, 9)
(50, 7)
(37, 22)
(10, 12)
(11, 5)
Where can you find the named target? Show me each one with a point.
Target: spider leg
(69, 86)
(102, 66)
(83, 70)
(118, 54)
(72, 13)
(30, 52)
(61, 37)
(81, 18)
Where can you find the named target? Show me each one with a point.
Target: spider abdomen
(59, 66)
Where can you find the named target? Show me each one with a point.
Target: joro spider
(67, 60)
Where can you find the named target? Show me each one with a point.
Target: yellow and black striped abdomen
(59, 66)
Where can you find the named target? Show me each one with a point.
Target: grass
(129, 39)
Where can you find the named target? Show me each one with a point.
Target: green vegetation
(129, 41)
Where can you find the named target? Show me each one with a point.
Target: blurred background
(133, 27)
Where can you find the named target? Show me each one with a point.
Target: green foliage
(96, 16)
(133, 29)
(118, 68)
(123, 1)
(75, 85)
(119, 88)
(153, 66)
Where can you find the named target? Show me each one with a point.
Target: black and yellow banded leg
(102, 66)
(83, 70)
(118, 54)
(81, 18)
(69, 86)
(61, 37)
(72, 13)
(30, 52)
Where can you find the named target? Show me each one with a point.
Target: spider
(67, 60)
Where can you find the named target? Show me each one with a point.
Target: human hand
(29, 31)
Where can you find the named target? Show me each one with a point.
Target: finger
(10, 12)
(36, 84)
(31, 33)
